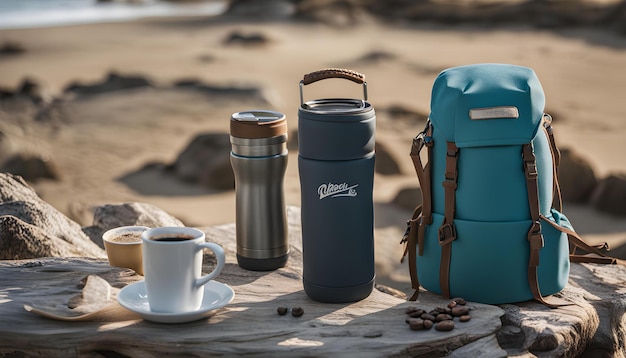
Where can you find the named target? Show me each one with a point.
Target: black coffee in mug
(171, 238)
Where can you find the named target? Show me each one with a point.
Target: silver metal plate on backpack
(502, 112)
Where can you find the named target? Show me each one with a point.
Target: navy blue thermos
(336, 167)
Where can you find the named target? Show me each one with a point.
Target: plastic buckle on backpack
(449, 183)
(418, 144)
(447, 234)
(531, 170)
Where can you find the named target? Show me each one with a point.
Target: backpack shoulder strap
(556, 160)
(422, 215)
(597, 256)
(447, 231)
(535, 237)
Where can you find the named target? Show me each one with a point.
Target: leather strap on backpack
(410, 239)
(595, 255)
(535, 237)
(422, 215)
(447, 230)
(556, 160)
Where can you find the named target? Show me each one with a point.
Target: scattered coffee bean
(443, 310)
(459, 301)
(417, 313)
(465, 318)
(440, 317)
(373, 334)
(282, 310)
(443, 317)
(460, 311)
(445, 326)
(412, 309)
(297, 311)
(428, 324)
(416, 324)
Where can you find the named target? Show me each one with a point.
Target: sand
(101, 152)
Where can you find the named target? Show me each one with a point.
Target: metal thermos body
(336, 166)
(259, 160)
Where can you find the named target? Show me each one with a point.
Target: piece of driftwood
(250, 325)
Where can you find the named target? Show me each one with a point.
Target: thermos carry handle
(351, 75)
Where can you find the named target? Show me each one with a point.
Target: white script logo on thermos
(334, 190)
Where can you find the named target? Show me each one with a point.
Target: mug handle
(221, 261)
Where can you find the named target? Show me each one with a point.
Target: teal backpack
(487, 230)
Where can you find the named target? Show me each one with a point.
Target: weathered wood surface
(250, 325)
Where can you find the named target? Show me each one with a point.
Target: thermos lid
(336, 128)
(337, 106)
(257, 124)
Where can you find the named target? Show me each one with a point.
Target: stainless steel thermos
(259, 160)
(336, 167)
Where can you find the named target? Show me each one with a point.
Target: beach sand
(102, 151)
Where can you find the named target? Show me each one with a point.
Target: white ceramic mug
(172, 265)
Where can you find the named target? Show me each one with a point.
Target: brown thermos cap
(257, 124)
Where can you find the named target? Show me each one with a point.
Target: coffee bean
(416, 324)
(465, 318)
(445, 326)
(428, 324)
(460, 301)
(282, 310)
(460, 311)
(417, 313)
(440, 317)
(443, 317)
(411, 309)
(297, 311)
(442, 310)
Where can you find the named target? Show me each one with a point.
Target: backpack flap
(487, 105)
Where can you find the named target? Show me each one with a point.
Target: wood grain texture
(250, 325)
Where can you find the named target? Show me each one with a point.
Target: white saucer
(134, 297)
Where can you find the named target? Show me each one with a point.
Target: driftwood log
(250, 325)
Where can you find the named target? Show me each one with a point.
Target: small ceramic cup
(173, 268)
(123, 247)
